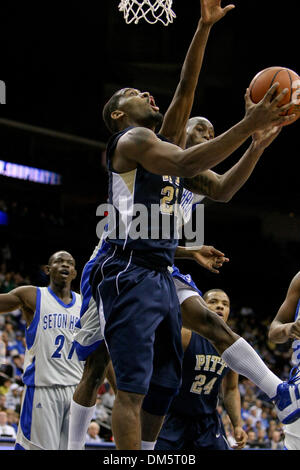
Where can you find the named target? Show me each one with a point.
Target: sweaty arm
(142, 146)
(178, 113)
(283, 327)
(22, 297)
(223, 187)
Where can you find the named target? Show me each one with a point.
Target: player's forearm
(232, 181)
(180, 108)
(232, 403)
(205, 156)
(185, 252)
(193, 62)
(280, 332)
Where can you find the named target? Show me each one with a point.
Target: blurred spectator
(10, 331)
(248, 424)
(245, 409)
(277, 441)
(4, 388)
(4, 338)
(262, 439)
(13, 397)
(2, 350)
(258, 406)
(108, 398)
(19, 344)
(92, 436)
(100, 413)
(12, 418)
(2, 402)
(8, 284)
(252, 440)
(5, 429)
(18, 366)
(264, 419)
(272, 427)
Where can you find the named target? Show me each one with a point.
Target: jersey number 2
(60, 341)
(200, 385)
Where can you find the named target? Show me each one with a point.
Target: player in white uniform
(285, 327)
(52, 369)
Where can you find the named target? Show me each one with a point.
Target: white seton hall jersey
(50, 357)
(296, 343)
(187, 205)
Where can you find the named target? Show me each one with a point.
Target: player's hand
(295, 330)
(267, 113)
(241, 438)
(262, 139)
(212, 12)
(210, 258)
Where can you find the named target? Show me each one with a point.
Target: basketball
(286, 78)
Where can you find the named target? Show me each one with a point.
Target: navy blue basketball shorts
(141, 320)
(186, 433)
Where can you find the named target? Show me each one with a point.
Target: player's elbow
(219, 190)
(271, 336)
(275, 334)
(222, 197)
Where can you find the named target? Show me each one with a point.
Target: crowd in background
(258, 414)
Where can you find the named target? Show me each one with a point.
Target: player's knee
(129, 400)
(96, 365)
(219, 333)
(158, 399)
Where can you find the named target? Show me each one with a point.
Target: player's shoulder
(27, 295)
(24, 290)
(295, 283)
(137, 136)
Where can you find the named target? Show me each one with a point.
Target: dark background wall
(61, 64)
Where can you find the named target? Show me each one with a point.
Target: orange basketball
(286, 79)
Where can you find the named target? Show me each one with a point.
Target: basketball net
(149, 10)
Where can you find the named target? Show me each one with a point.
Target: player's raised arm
(283, 327)
(223, 187)
(141, 146)
(180, 108)
(22, 297)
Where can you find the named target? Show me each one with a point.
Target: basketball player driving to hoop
(142, 333)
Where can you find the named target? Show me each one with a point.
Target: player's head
(61, 268)
(131, 107)
(218, 301)
(198, 131)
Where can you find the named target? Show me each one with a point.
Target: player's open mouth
(64, 272)
(152, 104)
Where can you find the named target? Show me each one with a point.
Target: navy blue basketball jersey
(145, 208)
(202, 372)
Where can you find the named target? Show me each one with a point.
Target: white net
(150, 10)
